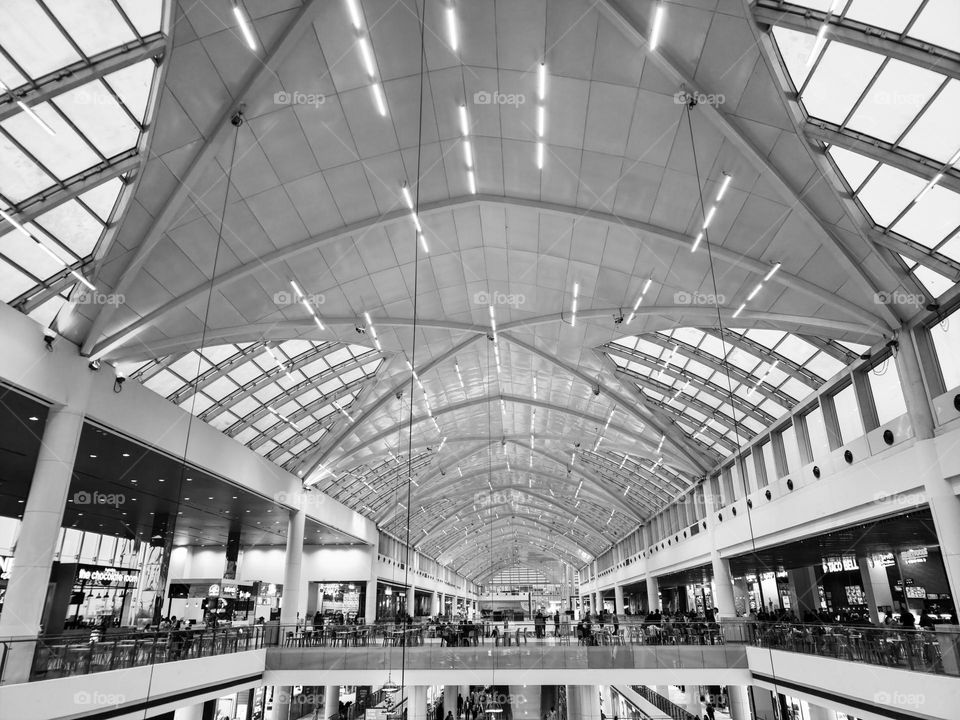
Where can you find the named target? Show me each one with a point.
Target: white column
(589, 702)
(293, 569)
(944, 504)
(818, 712)
(435, 604)
(40, 528)
(608, 709)
(411, 600)
(331, 701)
(618, 599)
(417, 702)
(191, 712)
(653, 593)
(723, 586)
(450, 693)
(876, 587)
(739, 703)
(691, 698)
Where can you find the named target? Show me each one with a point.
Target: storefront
(97, 595)
(391, 601)
(6, 565)
(343, 599)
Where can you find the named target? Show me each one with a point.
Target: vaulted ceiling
(520, 268)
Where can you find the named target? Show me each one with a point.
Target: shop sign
(840, 564)
(228, 590)
(114, 576)
(917, 592)
(912, 557)
(6, 565)
(214, 590)
(884, 560)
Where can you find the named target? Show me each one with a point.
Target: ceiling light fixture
(696, 242)
(723, 187)
(27, 109)
(657, 27)
(573, 312)
(452, 28)
(301, 296)
(472, 181)
(468, 154)
(379, 99)
(367, 55)
(354, 13)
(245, 26)
(709, 218)
(10, 219)
(773, 271)
(739, 310)
(456, 365)
(633, 311)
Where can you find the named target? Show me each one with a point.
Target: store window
(886, 390)
(946, 344)
(791, 451)
(817, 434)
(848, 414)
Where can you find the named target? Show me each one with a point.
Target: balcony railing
(481, 645)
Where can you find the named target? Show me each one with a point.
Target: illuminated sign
(912, 557)
(106, 575)
(840, 564)
(6, 565)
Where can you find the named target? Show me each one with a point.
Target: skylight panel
(840, 78)
(103, 198)
(894, 99)
(25, 253)
(937, 133)
(887, 14)
(216, 354)
(825, 366)
(64, 153)
(220, 388)
(853, 166)
(21, 177)
(933, 281)
(46, 312)
(888, 192)
(767, 338)
(246, 435)
(12, 281)
(164, 383)
(795, 349)
(938, 24)
(951, 248)
(245, 373)
(187, 366)
(246, 406)
(341, 355)
(97, 115)
(295, 348)
(132, 85)
(795, 48)
(73, 226)
(795, 389)
(95, 25)
(266, 447)
(931, 220)
(31, 38)
(197, 403)
(268, 393)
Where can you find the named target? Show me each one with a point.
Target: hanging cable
(413, 347)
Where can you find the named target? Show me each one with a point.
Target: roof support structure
(860, 35)
(261, 72)
(885, 152)
(852, 265)
(869, 321)
(80, 73)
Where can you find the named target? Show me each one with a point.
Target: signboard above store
(108, 575)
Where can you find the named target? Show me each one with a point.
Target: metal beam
(678, 240)
(365, 443)
(324, 452)
(895, 156)
(754, 348)
(80, 73)
(860, 35)
(261, 73)
(649, 414)
(33, 207)
(715, 391)
(851, 264)
(913, 250)
(448, 542)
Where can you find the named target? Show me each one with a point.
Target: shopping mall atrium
(479, 359)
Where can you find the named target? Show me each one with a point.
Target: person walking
(556, 623)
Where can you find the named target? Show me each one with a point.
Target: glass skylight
(64, 159)
(905, 106)
(276, 398)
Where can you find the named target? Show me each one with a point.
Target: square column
(618, 599)
(653, 594)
